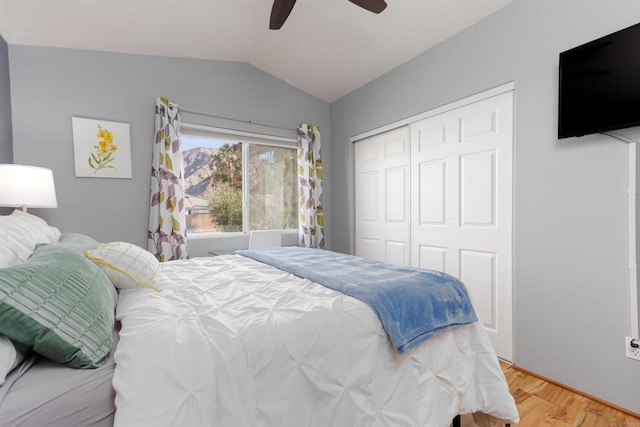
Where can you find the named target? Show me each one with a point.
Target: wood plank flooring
(544, 404)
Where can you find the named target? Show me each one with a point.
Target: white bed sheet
(233, 342)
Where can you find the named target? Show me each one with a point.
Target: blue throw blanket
(413, 304)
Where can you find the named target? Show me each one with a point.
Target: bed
(234, 341)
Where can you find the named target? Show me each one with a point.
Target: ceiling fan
(282, 8)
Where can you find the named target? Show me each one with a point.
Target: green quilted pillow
(60, 304)
(79, 242)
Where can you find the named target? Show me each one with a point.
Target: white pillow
(127, 266)
(21, 232)
(10, 357)
(8, 257)
(8, 254)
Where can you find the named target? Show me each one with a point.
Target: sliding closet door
(461, 163)
(382, 197)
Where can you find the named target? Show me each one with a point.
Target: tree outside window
(225, 204)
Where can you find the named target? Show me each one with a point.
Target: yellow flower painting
(102, 149)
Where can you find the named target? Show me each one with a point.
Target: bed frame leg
(456, 422)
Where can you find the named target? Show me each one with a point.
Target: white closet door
(382, 197)
(461, 163)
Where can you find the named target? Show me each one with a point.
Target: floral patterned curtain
(167, 216)
(311, 228)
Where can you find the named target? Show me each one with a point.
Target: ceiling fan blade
(375, 6)
(280, 12)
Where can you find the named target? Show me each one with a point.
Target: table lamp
(27, 187)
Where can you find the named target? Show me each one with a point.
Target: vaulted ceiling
(327, 48)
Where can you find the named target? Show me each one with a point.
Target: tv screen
(600, 85)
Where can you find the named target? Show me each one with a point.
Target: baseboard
(576, 391)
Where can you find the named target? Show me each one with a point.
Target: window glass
(214, 175)
(272, 186)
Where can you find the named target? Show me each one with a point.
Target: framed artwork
(102, 149)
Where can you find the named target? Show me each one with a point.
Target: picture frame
(102, 149)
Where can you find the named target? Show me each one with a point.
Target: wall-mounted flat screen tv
(600, 85)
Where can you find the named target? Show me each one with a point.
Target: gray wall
(570, 234)
(6, 146)
(50, 85)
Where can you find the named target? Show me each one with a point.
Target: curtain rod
(235, 119)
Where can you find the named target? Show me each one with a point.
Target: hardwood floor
(544, 404)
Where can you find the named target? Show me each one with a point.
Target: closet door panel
(432, 192)
(432, 257)
(461, 165)
(478, 189)
(383, 212)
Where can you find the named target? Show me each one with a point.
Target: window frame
(246, 138)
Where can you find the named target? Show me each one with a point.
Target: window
(238, 182)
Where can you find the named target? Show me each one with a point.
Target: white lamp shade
(27, 186)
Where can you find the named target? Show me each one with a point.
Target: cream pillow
(127, 266)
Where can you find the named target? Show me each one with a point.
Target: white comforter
(232, 342)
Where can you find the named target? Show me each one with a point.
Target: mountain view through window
(226, 192)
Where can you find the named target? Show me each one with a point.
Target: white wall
(571, 234)
(50, 85)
